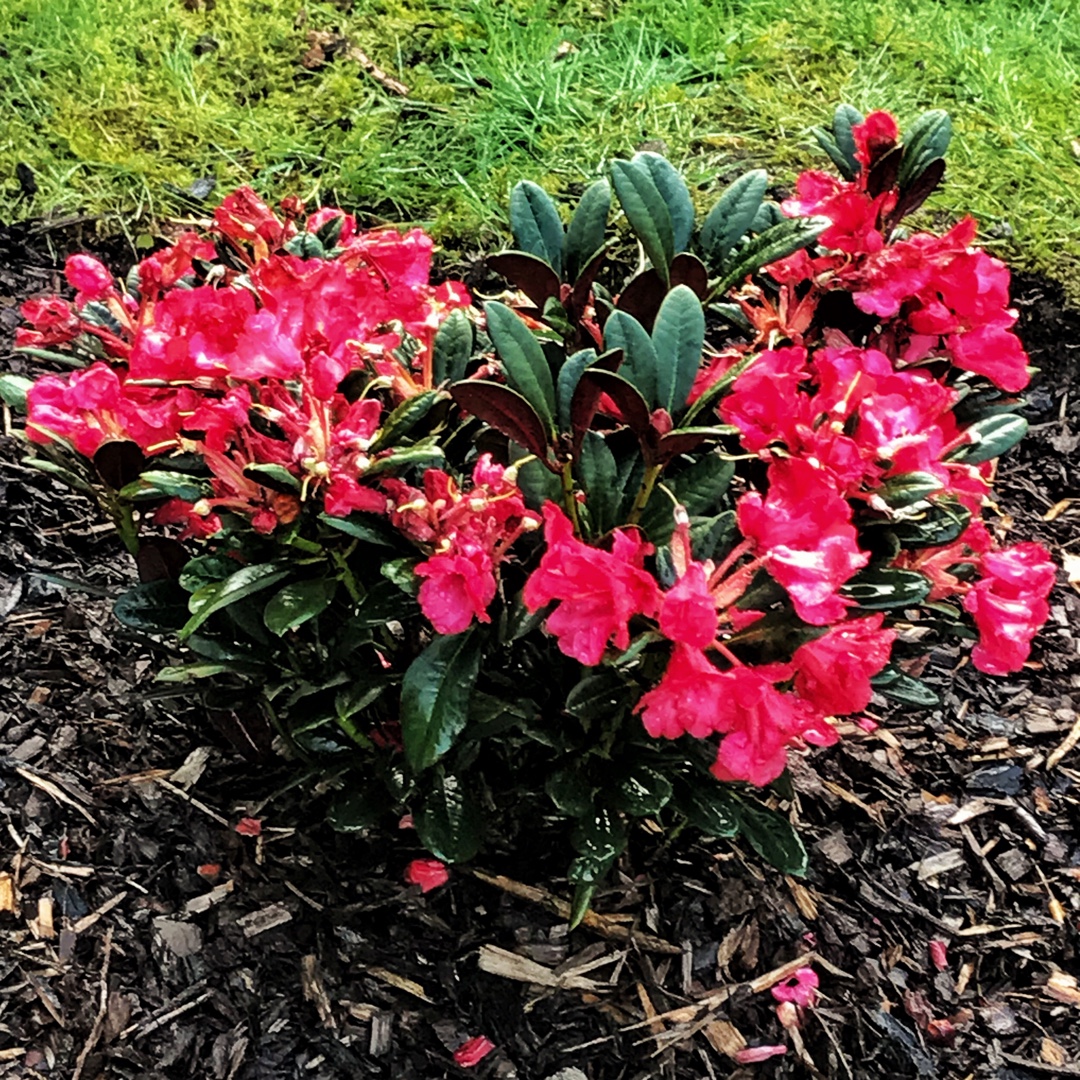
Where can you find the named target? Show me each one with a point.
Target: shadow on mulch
(144, 937)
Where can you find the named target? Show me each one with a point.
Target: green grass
(108, 103)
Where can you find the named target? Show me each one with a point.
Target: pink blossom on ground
(427, 873)
(471, 1052)
(753, 1054)
(249, 826)
(939, 955)
(801, 989)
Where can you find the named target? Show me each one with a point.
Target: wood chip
(1062, 987)
(1052, 1053)
(198, 904)
(194, 766)
(8, 903)
(88, 920)
(315, 990)
(1068, 744)
(969, 811)
(511, 965)
(724, 1037)
(258, 922)
(941, 863)
(55, 792)
(42, 927)
(399, 982)
(872, 812)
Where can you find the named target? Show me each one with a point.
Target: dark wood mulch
(142, 936)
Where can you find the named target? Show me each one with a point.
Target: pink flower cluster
(246, 368)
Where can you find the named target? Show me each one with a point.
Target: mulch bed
(144, 937)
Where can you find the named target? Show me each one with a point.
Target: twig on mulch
(1041, 1066)
(168, 1011)
(103, 1008)
(1069, 742)
(599, 924)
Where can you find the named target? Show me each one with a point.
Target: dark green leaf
(678, 337)
(940, 523)
(881, 590)
(925, 142)
(204, 569)
(402, 572)
(641, 791)
(827, 141)
(732, 216)
(584, 891)
(535, 223)
(505, 410)
(435, 697)
(710, 806)
(523, 360)
(274, 477)
(566, 384)
(599, 475)
(674, 192)
(306, 245)
(157, 484)
(366, 527)
(597, 696)
(384, 602)
(585, 233)
(640, 365)
(773, 838)
(452, 349)
(409, 457)
(599, 837)
(991, 437)
(776, 243)
(570, 791)
(908, 488)
(403, 419)
(709, 535)
(237, 586)
(297, 602)
(845, 119)
(646, 212)
(356, 810)
(449, 821)
(894, 684)
(155, 607)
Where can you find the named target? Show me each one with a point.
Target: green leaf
(925, 142)
(435, 697)
(940, 523)
(569, 374)
(894, 684)
(909, 488)
(599, 477)
(640, 364)
(361, 526)
(356, 810)
(570, 791)
(13, 391)
(154, 606)
(773, 838)
(585, 233)
(237, 586)
(449, 821)
(700, 488)
(206, 569)
(402, 572)
(597, 696)
(584, 891)
(384, 602)
(275, 477)
(403, 419)
(710, 806)
(452, 349)
(306, 245)
(679, 338)
(523, 360)
(845, 119)
(674, 192)
(731, 217)
(881, 590)
(535, 223)
(408, 457)
(708, 535)
(641, 791)
(646, 212)
(775, 243)
(158, 483)
(298, 602)
(991, 437)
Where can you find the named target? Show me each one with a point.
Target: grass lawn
(117, 106)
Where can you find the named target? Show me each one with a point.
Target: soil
(142, 935)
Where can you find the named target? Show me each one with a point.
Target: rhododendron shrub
(617, 546)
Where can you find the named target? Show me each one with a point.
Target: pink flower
(427, 873)
(687, 612)
(803, 529)
(89, 277)
(457, 588)
(600, 591)
(874, 138)
(687, 700)
(833, 672)
(249, 826)
(471, 1052)
(1009, 605)
(764, 403)
(801, 989)
(753, 1054)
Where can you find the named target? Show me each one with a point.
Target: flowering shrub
(577, 550)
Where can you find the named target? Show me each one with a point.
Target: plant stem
(648, 482)
(568, 496)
